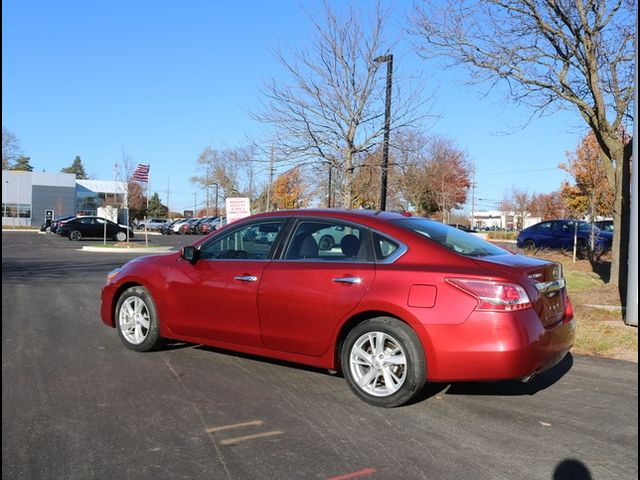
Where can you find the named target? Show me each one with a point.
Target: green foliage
(22, 164)
(77, 168)
(156, 208)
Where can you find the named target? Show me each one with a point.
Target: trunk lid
(542, 279)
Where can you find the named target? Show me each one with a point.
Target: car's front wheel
(75, 235)
(383, 362)
(529, 244)
(137, 320)
(121, 236)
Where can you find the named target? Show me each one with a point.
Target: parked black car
(93, 227)
(53, 228)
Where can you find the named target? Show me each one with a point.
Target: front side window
(328, 241)
(251, 242)
(451, 238)
(544, 227)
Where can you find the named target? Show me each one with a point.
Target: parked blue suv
(559, 234)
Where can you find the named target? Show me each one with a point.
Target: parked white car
(153, 224)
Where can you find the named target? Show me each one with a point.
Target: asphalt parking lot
(76, 404)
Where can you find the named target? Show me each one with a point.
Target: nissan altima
(394, 302)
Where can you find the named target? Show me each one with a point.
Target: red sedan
(392, 300)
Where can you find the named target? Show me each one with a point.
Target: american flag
(141, 174)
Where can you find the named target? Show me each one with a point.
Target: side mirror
(190, 254)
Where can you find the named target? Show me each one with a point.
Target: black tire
(120, 236)
(529, 244)
(413, 372)
(326, 242)
(583, 248)
(75, 235)
(135, 334)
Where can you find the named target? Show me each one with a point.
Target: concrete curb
(19, 230)
(128, 250)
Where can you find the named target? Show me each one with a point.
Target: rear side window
(384, 247)
(328, 241)
(544, 227)
(451, 238)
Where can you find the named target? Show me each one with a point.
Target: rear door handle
(246, 278)
(349, 280)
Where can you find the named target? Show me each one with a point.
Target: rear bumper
(497, 346)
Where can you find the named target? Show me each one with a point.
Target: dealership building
(27, 197)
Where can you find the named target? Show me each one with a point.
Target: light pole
(388, 59)
(217, 186)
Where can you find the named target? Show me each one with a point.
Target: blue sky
(163, 80)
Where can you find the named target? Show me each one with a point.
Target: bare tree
(519, 201)
(233, 170)
(134, 201)
(331, 111)
(10, 148)
(552, 54)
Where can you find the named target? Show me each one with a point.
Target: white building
(500, 220)
(27, 195)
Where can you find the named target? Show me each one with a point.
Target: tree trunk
(621, 218)
(348, 180)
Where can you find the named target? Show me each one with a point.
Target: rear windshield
(452, 238)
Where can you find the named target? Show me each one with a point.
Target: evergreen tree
(156, 208)
(22, 164)
(77, 168)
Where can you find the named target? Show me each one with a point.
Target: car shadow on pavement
(540, 382)
(272, 361)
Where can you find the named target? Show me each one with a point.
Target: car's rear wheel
(529, 244)
(326, 242)
(383, 362)
(75, 235)
(121, 236)
(137, 320)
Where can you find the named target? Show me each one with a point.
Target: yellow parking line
(232, 441)
(235, 425)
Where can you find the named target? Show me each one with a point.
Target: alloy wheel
(378, 364)
(134, 320)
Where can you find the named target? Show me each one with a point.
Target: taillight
(492, 295)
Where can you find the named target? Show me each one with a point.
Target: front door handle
(246, 278)
(349, 280)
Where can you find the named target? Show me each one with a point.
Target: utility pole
(631, 312)
(217, 186)
(168, 209)
(387, 127)
(330, 180)
(473, 198)
(270, 179)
